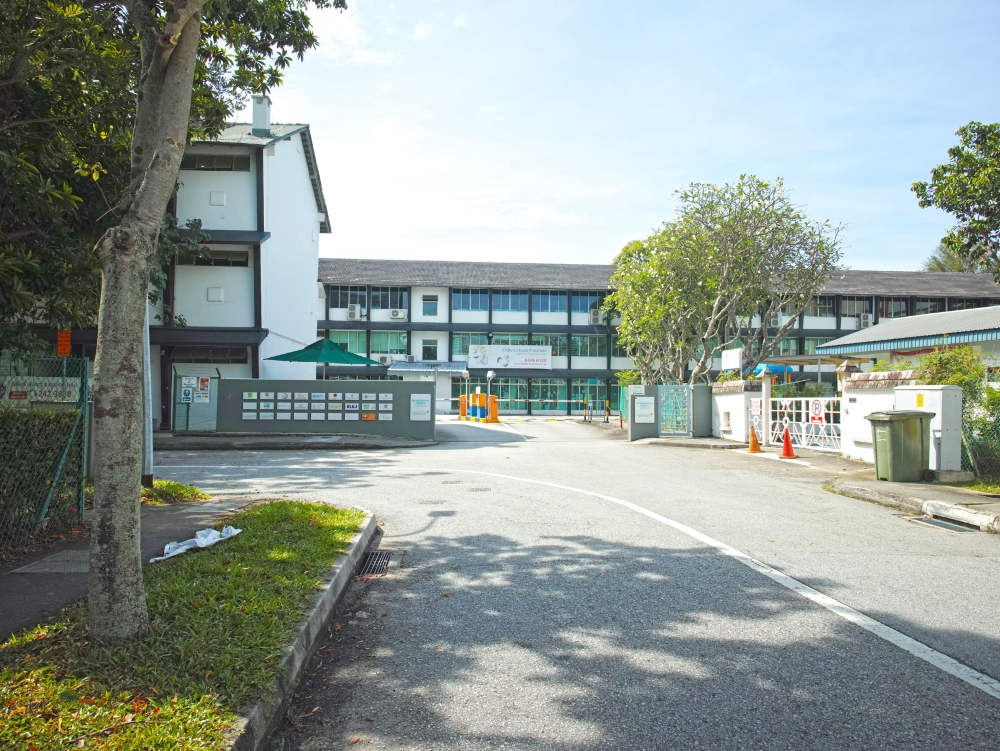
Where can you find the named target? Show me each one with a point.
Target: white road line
(514, 431)
(974, 678)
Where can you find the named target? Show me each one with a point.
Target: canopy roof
(325, 351)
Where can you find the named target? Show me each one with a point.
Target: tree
(968, 187)
(734, 258)
(198, 59)
(947, 259)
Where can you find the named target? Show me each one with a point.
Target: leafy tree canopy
(968, 187)
(950, 260)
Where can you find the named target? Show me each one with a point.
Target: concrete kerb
(253, 730)
(984, 521)
(244, 441)
(692, 443)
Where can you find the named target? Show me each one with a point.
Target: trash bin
(902, 440)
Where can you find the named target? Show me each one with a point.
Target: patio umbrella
(324, 351)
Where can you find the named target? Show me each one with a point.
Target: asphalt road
(525, 615)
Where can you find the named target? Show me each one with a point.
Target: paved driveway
(561, 589)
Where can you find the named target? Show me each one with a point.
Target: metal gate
(675, 410)
(196, 403)
(813, 423)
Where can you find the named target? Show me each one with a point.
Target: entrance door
(675, 410)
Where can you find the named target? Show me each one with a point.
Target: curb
(951, 511)
(255, 727)
(235, 444)
(687, 443)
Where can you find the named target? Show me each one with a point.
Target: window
(822, 306)
(556, 341)
(342, 296)
(460, 342)
(210, 354)
(216, 258)
(855, 306)
(429, 349)
(618, 348)
(351, 341)
(589, 345)
(892, 307)
(388, 343)
(967, 303)
(548, 301)
(387, 298)
(471, 299)
(216, 162)
(513, 300)
(510, 339)
(812, 342)
(430, 304)
(584, 302)
(789, 346)
(925, 305)
(548, 395)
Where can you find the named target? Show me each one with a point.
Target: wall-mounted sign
(62, 343)
(645, 409)
(816, 411)
(204, 383)
(202, 397)
(186, 393)
(368, 417)
(506, 356)
(732, 359)
(189, 382)
(420, 407)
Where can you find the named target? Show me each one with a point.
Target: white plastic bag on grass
(202, 539)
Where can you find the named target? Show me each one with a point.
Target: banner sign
(22, 391)
(512, 356)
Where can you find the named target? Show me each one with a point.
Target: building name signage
(510, 356)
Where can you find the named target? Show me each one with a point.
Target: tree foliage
(945, 259)
(735, 257)
(968, 187)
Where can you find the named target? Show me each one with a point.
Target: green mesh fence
(43, 440)
(981, 442)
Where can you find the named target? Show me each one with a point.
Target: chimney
(261, 115)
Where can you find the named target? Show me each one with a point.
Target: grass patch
(983, 486)
(165, 492)
(220, 619)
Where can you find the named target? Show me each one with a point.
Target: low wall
(390, 408)
(731, 408)
(865, 393)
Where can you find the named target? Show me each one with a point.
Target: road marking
(523, 438)
(949, 665)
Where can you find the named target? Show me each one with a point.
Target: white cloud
(459, 22)
(343, 37)
(423, 31)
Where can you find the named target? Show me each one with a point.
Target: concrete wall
(417, 304)
(855, 431)
(197, 290)
(237, 192)
(731, 415)
(417, 341)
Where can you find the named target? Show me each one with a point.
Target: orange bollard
(754, 443)
(786, 446)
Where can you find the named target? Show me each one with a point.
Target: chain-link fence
(43, 440)
(981, 442)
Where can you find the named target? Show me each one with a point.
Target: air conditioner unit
(866, 320)
(353, 312)
(385, 359)
(775, 323)
(397, 315)
(596, 317)
(411, 358)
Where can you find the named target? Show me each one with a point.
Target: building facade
(419, 319)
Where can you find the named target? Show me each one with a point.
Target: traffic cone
(754, 443)
(786, 446)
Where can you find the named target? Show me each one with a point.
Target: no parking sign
(816, 411)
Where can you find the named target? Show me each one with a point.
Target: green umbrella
(325, 351)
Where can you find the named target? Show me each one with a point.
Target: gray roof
(239, 134)
(464, 274)
(953, 327)
(916, 283)
(402, 366)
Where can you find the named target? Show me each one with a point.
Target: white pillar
(765, 411)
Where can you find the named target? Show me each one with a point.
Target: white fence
(813, 423)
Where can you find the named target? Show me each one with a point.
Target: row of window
(382, 298)
(470, 299)
(395, 343)
(546, 394)
(854, 306)
(216, 258)
(215, 163)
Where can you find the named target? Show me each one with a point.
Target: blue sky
(559, 131)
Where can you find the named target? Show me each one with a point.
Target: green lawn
(983, 486)
(220, 619)
(168, 491)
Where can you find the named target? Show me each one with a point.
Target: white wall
(550, 319)
(855, 431)
(738, 406)
(290, 303)
(383, 315)
(416, 304)
(510, 316)
(817, 322)
(469, 316)
(417, 344)
(589, 363)
(559, 362)
(240, 189)
(191, 285)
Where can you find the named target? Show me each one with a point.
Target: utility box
(902, 441)
(946, 425)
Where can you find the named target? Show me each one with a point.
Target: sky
(558, 131)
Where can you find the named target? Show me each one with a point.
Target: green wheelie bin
(902, 439)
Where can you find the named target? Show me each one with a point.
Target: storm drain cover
(451, 482)
(943, 524)
(430, 503)
(480, 490)
(375, 563)
(66, 562)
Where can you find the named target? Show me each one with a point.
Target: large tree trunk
(117, 600)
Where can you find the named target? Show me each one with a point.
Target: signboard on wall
(513, 356)
(420, 407)
(645, 409)
(732, 359)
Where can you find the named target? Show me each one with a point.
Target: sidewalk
(279, 442)
(968, 507)
(61, 570)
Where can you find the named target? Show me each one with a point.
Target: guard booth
(670, 411)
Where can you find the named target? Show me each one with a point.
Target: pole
(147, 408)
(765, 409)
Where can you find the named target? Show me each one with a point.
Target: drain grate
(430, 503)
(943, 524)
(451, 482)
(66, 562)
(480, 490)
(375, 563)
